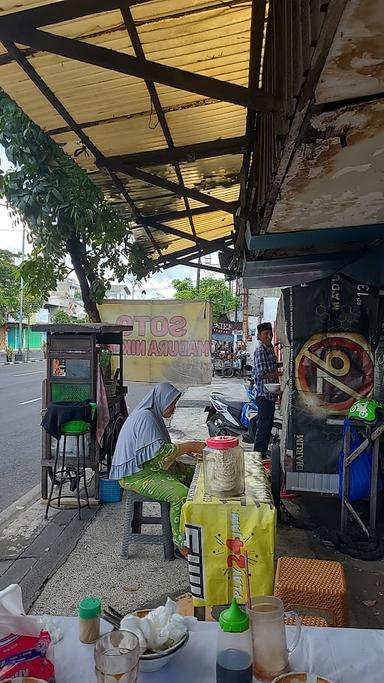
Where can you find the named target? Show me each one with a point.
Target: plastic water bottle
(234, 648)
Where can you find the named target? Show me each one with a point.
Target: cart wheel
(276, 475)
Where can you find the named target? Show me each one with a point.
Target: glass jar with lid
(223, 466)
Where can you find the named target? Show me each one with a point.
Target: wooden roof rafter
(55, 102)
(146, 70)
(155, 100)
(27, 31)
(175, 155)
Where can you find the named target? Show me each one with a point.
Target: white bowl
(297, 677)
(273, 388)
(156, 660)
(26, 679)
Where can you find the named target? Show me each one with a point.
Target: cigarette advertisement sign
(170, 340)
(332, 327)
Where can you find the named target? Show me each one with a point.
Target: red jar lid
(223, 442)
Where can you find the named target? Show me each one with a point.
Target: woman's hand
(190, 447)
(196, 447)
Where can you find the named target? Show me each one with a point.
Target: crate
(110, 491)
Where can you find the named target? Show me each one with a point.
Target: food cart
(74, 353)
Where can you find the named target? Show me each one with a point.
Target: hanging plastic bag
(360, 469)
(25, 648)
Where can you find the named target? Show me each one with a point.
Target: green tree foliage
(10, 290)
(66, 215)
(61, 317)
(214, 290)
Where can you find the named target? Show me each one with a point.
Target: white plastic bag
(162, 628)
(25, 648)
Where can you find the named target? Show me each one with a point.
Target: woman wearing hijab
(144, 453)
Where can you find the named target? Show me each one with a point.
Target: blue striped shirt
(264, 362)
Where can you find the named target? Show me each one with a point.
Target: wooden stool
(134, 519)
(308, 620)
(303, 582)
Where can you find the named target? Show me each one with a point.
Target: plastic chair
(134, 519)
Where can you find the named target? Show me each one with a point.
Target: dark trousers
(264, 423)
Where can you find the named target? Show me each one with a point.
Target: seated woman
(144, 455)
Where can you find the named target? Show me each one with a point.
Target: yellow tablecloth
(220, 531)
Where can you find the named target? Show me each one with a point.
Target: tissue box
(27, 656)
(26, 648)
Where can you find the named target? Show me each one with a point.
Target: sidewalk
(59, 561)
(34, 356)
(63, 559)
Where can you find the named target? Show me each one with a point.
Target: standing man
(265, 371)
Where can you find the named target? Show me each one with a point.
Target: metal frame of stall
(80, 342)
(372, 438)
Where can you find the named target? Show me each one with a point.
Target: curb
(19, 506)
(22, 362)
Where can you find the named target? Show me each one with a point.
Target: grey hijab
(143, 432)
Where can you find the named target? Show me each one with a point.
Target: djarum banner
(331, 328)
(170, 340)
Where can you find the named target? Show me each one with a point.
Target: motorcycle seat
(235, 405)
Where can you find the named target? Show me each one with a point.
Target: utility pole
(198, 276)
(245, 315)
(19, 355)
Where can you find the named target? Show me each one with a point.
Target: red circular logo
(334, 370)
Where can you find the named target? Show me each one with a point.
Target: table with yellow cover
(219, 532)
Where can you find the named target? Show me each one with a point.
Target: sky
(158, 286)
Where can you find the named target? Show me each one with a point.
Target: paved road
(20, 406)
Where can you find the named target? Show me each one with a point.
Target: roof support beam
(59, 107)
(176, 215)
(314, 238)
(191, 253)
(174, 188)
(56, 12)
(200, 241)
(200, 150)
(171, 231)
(202, 266)
(139, 52)
(148, 70)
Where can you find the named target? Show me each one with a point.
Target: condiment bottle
(234, 651)
(89, 619)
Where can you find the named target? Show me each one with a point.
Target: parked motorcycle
(222, 367)
(230, 417)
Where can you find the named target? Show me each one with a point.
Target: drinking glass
(269, 643)
(117, 657)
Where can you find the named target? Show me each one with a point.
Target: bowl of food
(273, 387)
(301, 678)
(28, 679)
(154, 661)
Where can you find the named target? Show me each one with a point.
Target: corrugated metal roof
(114, 109)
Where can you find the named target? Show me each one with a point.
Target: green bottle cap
(89, 608)
(234, 619)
